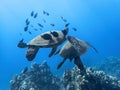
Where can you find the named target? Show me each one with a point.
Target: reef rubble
(39, 77)
(111, 66)
(91, 80)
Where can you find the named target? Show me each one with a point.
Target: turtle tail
(21, 44)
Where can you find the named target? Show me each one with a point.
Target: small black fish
(40, 25)
(44, 20)
(47, 37)
(44, 12)
(35, 15)
(26, 28)
(75, 29)
(47, 14)
(32, 13)
(29, 32)
(35, 29)
(52, 25)
(63, 19)
(67, 24)
(24, 70)
(27, 21)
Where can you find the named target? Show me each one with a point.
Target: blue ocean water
(97, 21)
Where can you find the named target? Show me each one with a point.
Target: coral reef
(111, 66)
(39, 77)
(89, 80)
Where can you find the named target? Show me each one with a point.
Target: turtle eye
(55, 34)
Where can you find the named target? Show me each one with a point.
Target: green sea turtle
(50, 39)
(73, 49)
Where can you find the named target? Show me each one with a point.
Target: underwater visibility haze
(94, 21)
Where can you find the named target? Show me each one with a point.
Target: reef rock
(111, 66)
(90, 80)
(39, 77)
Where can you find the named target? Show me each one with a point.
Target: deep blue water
(97, 21)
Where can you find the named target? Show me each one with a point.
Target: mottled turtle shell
(71, 50)
(48, 39)
(67, 51)
(79, 45)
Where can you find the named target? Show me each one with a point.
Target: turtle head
(65, 31)
(71, 39)
(21, 44)
(75, 43)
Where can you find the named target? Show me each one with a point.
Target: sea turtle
(73, 49)
(50, 39)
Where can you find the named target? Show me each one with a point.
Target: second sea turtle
(73, 49)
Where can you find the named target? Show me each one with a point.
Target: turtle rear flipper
(61, 63)
(52, 51)
(31, 53)
(78, 62)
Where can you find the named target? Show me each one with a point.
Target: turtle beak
(31, 53)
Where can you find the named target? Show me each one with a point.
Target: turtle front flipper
(52, 51)
(79, 64)
(61, 63)
(31, 53)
